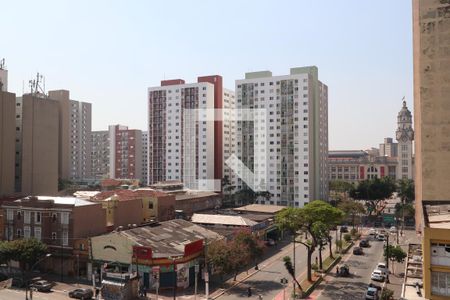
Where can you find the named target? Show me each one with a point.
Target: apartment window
(65, 238)
(19, 233)
(26, 217)
(26, 232)
(10, 215)
(37, 233)
(65, 218)
(19, 215)
(440, 283)
(54, 236)
(150, 205)
(54, 217)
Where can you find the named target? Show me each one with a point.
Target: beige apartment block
(431, 99)
(7, 144)
(37, 138)
(75, 144)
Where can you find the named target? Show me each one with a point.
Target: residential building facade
(57, 222)
(7, 142)
(292, 148)
(431, 29)
(37, 144)
(182, 147)
(75, 144)
(100, 154)
(125, 155)
(229, 133)
(144, 176)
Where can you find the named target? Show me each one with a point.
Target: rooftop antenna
(37, 86)
(2, 64)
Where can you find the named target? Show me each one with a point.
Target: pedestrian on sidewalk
(97, 291)
(337, 270)
(249, 292)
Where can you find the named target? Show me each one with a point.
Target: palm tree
(290, 269)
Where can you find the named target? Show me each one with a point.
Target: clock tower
(405, 137)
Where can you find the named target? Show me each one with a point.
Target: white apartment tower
(229, 132)
(100, 154)
(181, 146)
(405, 137)
(75, 121)
(294, 141)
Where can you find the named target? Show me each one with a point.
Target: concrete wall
(40, 139)
(112, 247)
(88, 220)
(7, 142)
(431, 24)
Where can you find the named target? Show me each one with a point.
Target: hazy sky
(109, 52)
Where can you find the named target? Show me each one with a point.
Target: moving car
(270, 242)
(358, 251)
(372, 232)
(81, 294)
(377, 275)
(344, 229)
(364, 243)
(393, 229)
(344, 271)
(42, 286)
(372, 293)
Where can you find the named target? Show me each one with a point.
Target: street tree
(395, 253)
(254, 246)
(27, 251)
(405, 190)
(218, 255)
(374, 191)
(352, 208)
(314, 213)
(291, 271)
(321, 232)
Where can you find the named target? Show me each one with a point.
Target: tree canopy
(373, 191)
(25, 251)
(405, 190)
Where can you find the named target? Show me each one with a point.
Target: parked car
(372, 293)
(377, 275)
(364, 243)
(381, 237)
(42, 286)
(382, 267)
(344, 271)
(344, 229)
(372, 232)
(393, 229)
(358, 251)
(18, 282)
(81, 294)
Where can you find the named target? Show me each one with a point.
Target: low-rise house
(58, 222)
(171, 249)
(190, 202)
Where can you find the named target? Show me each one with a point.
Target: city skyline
(111, 66)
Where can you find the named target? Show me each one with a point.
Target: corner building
(295, 138)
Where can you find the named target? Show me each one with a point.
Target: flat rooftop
(260, 208)
(169, 238)
(437, 214)
(222, 220)
(57, 200)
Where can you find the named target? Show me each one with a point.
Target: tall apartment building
(229, 133)
(182, 147)
(37, 142)
(125, 155)
(144, 176)
(3, 77)
(388, 148)
(74, 136)
(289, 156)
(100, 154)
(7, 141)
(431, 26)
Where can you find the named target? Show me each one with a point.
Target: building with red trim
(182, 147)
(169, 249)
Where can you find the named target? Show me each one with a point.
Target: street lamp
(27, 285)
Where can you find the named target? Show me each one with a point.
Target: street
(266, 282)
(361, 267)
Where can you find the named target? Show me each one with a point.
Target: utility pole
(387, 258)
(197, 267)
(206, 271)
(293, 239)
